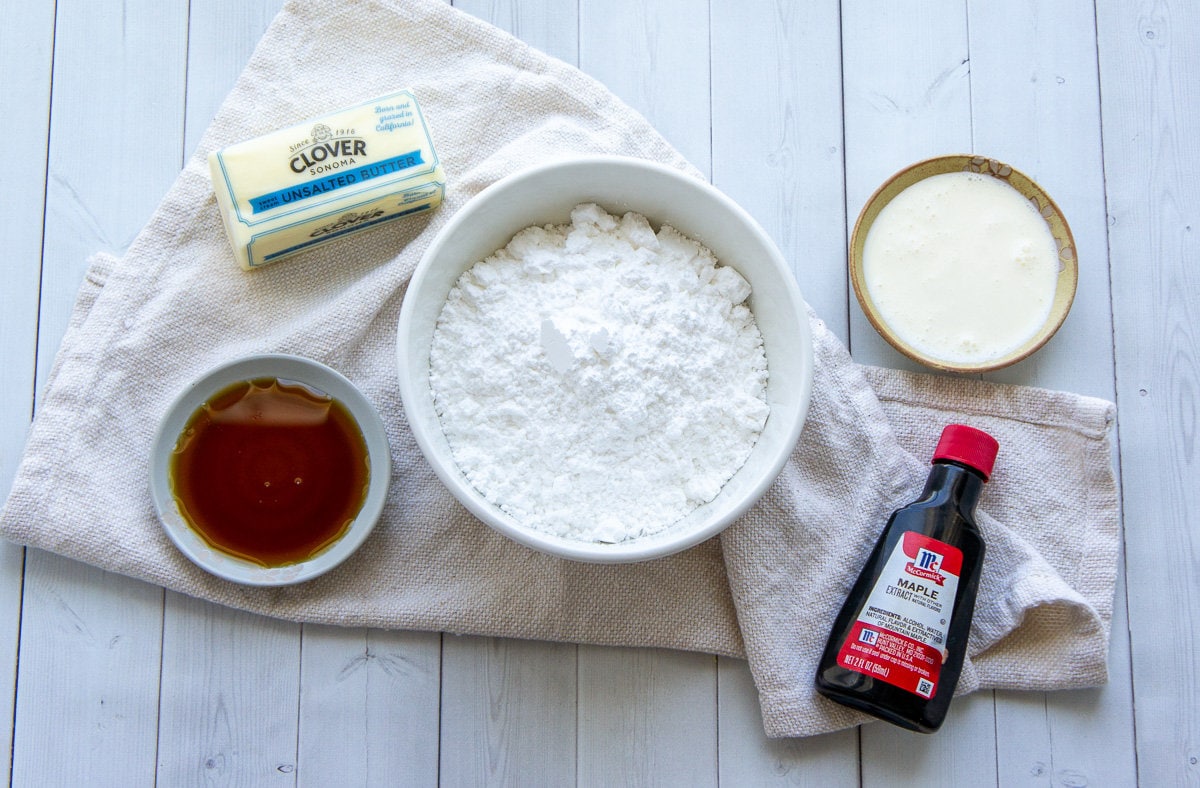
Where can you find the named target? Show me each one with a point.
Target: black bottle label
(900, 634)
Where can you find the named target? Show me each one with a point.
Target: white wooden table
(797, 110)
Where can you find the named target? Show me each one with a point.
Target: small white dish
(546, 194)
(287, 368)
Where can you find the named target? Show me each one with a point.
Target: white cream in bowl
(961, 267)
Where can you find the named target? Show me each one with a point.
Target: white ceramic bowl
(291, 368)
(545, 195)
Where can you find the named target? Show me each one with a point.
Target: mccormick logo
(926, 566)
(328, 150)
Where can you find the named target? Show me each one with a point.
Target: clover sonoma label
(317, 181)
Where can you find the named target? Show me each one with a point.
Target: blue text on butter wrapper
(319, 186)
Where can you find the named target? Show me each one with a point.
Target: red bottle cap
(969, 446)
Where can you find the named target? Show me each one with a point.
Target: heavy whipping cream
(599, 380)
(961, 267)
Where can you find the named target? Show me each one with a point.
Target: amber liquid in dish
(270, 471)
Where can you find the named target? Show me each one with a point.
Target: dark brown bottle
(897, 646)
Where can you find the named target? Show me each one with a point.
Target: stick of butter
(292, 189)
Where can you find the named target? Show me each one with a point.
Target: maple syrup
(270, 471)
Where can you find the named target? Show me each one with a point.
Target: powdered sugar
(599, 380)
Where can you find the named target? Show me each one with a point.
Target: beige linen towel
(176, 305)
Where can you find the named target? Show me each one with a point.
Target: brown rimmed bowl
(1068, 273)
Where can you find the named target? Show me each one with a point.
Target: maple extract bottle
(898, 644)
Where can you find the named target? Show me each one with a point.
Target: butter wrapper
(317, 181)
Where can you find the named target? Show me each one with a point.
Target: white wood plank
(26, 55)
(221, 37)
(654, 56)
(645, 714)
(369, 707)
(747, 757)
(12, 568)
(907, 97)
(90, 640)
(87, 694)
(777, 135)
(230, 684)
(960, 755)
(509, 707)
(1149, 76)
(1036, 105)
(551, 26)
(508, 712)
(115, 140)
(777, 150)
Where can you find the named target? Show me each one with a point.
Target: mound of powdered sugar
(599, 380)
